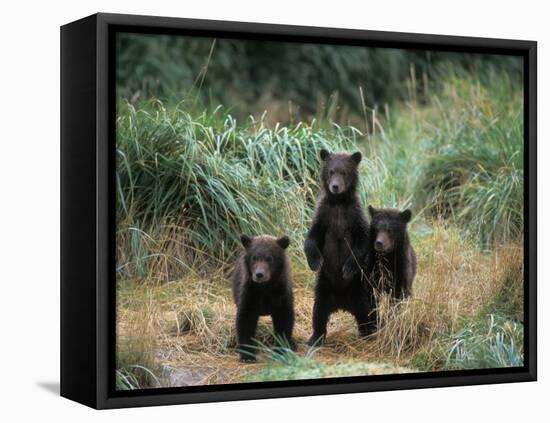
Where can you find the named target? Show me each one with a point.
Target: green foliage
(492, 342)
(311, 369)
(135, 377)
(280, 353)
(474, 172)
(285, 364)
(215, 179)
(249, 75)
(130, 374)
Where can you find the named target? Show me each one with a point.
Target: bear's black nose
(378, 244)
(259, 275)
(335, 187)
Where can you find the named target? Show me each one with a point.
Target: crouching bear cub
(336, 245)
(391, 260)
(262, 286)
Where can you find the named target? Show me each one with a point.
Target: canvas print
(294, 211)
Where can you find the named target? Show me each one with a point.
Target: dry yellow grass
(185, 328)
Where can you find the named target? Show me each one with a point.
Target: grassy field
(190, 182)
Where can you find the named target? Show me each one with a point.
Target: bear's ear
(283, 242)
(246, 240)
(372, 211)
(406, 215)
(324, 154)
(356, 157)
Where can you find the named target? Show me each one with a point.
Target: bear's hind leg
(365, 318)
(321, 312)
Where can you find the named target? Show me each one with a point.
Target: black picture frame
(87, 211)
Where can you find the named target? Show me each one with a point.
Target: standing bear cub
(262, 286)
(391, 260)
(336, 245)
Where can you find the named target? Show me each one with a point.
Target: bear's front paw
(315, 261)
(349, 269)
(313, 255)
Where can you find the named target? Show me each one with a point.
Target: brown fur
(336, 244)
(391, 260)
(270, 294)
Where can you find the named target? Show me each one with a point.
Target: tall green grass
(209, 179)
(492, 342)
(188, 184)
(473, 174)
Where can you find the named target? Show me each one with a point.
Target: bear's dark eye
(254, 258)
(331, 172)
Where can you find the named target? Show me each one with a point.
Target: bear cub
(391, 260)
(262, 286)
(336, 244)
